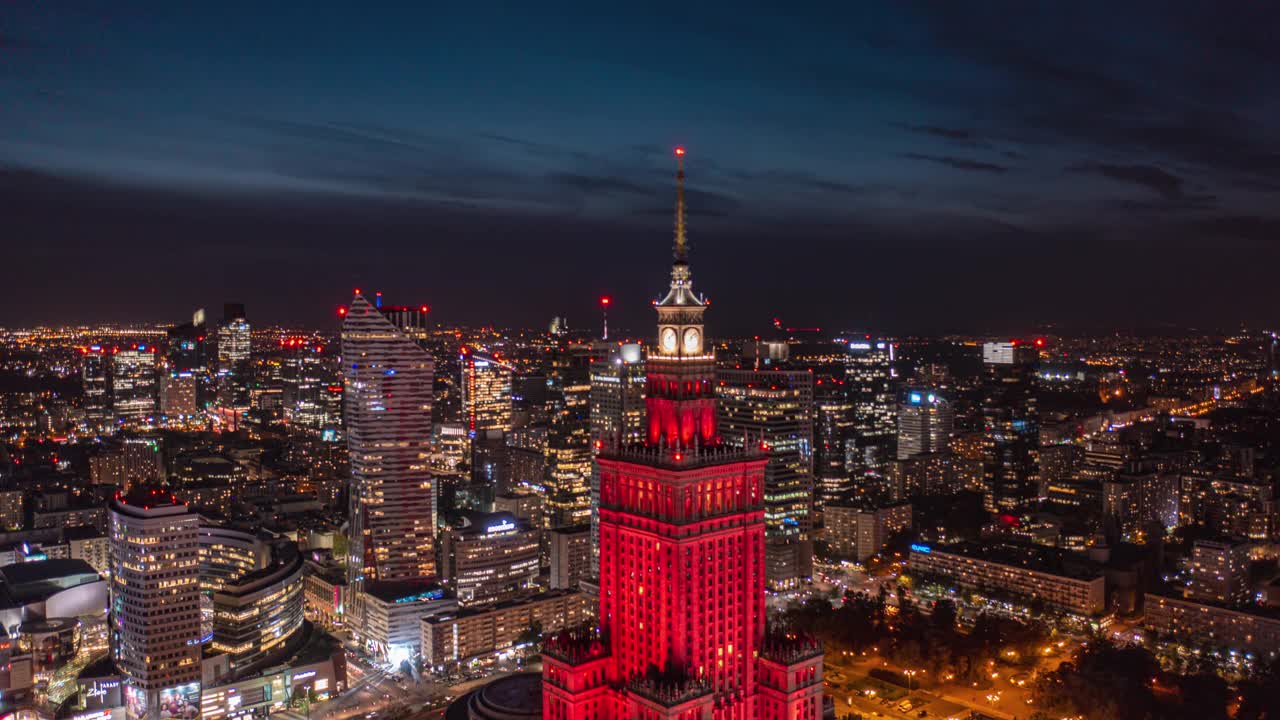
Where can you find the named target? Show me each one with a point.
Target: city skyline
(334, 383)
(916, 164)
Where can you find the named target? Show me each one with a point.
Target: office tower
(1271, 347)
(570, 550)
(682, 629)
(234, 369)
(306, 372)
(451, 445)
(412, 320)
(1011, 427)
(178, 393)
(569, 441)
(489, 557)
(617, 396)
(95, 363)
(186, 366)
(486, 391)
(143, 460)
(134, 386)
(187, 348)
(617, 411)
(833, 426)
(490, 464)
(155, 603)
(773, 409)
(925, 422)
(528, 452)
(1219, 573)
(388, 425)
(869, 378)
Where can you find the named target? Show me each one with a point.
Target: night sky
(888, 165)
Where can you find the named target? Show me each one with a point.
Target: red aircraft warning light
(342, 310)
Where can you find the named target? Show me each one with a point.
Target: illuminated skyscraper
(388, 424)
(617, 417)
(869, 378)
(186, 368)
(155, 603)
(682, 619)
(569, 442)
(95, 364)
(134, 381)
(178, 391)
(234, 347)
(1011, 427)
(617, 396)
(774, 408)
(486, 391)
(833, 431)
(925, 422)
(306, 373)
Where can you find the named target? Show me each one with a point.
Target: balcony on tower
(677, 458)
(670, 694)
(577, 646)
(681, 486)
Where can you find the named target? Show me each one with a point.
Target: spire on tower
(682, 243)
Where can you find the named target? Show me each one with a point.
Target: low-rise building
(317, 671)
(1200, 623)
(1029, 573)
(392, 613)
(94, 516)
(478, 634)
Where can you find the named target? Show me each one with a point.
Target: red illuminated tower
(682, 631)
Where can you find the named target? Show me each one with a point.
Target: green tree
(531, 634)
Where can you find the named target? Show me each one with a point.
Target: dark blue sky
(904, 166)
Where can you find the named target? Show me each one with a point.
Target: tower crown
(681, 292)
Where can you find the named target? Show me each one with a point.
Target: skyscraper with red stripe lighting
(682, 631)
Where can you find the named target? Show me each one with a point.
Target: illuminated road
(376, 691)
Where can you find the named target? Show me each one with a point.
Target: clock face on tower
(668, 340)
(692, 341)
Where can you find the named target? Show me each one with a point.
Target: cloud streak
(959, 163)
